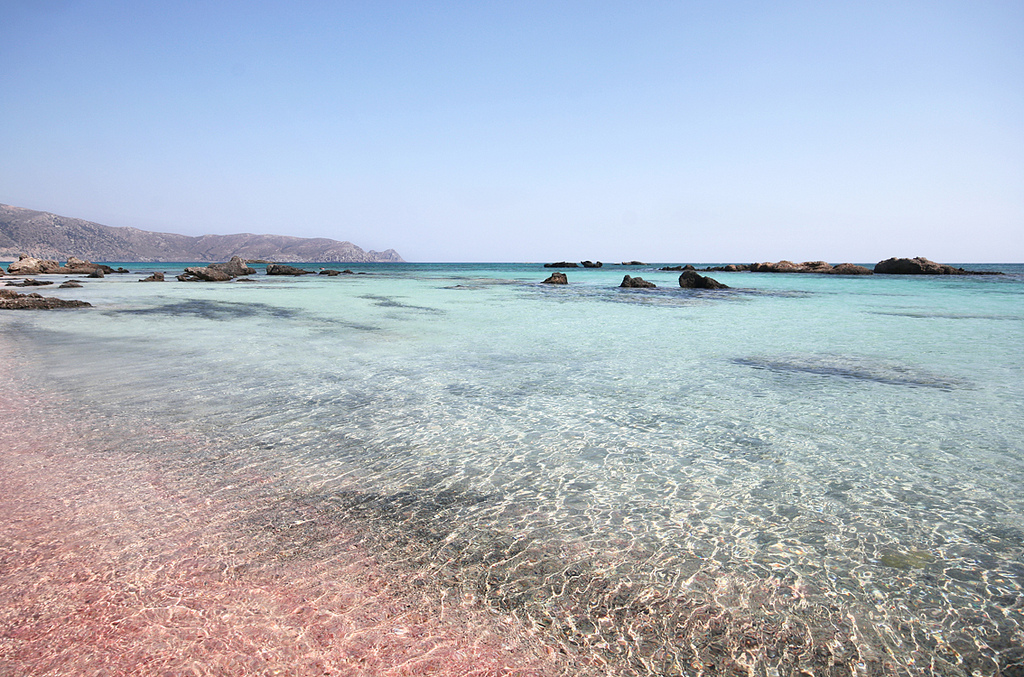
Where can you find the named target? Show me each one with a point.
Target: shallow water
(803, 473)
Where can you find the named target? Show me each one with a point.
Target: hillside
(48, 236)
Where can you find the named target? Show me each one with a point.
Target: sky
(725, 131)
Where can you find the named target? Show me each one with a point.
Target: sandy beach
(111, 565)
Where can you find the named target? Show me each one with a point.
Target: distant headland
(49, 236)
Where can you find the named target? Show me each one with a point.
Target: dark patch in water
(853, 368)
(225, 311)
(215, 310)
(948, 316)
(389, 302)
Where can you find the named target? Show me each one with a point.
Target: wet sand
(111, 564)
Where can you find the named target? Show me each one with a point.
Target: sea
(799, 475)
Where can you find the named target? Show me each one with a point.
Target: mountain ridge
(50, 236)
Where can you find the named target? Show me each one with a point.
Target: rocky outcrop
(731, 268)
(30, 265)
(215, 272)
(922, 266)
(155, 277)
(678, 268)
(636, 283)
(70, 284)
(561, 264)
(203, 274)
(557, 278)
(849, 269)
(236, 267)
(281, 269)
(12, 300)
(591, 264)
(691, 279)
(632, 263)
(820, 267)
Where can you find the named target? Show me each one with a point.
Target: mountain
(48, 236)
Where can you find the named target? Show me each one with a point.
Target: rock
(636, 283)
(790, 267)
(917, 266)
(557, 278)
(330, 273)
(30, 282)
(678, 268)
(731, 268)
(632, 263)
(70, 284)
(11, 300)
(203, 274)
(30, 265)
(155, 277)
(96, 272)
(850, 269)
(692, 280)
(591, 264)
(561, 264)
(281, 269)
(236, 267)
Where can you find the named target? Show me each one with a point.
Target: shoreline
(114, 567)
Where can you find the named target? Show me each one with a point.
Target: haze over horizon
(662, 131)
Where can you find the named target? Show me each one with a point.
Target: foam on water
(806, 472)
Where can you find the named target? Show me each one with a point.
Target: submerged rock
(155, 277)
(557, 278)
(636, 283)
(561, 264)
(691, 279)
(70, 284)
(30, 282)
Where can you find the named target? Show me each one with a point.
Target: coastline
(114, 566)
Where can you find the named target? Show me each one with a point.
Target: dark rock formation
(920, 266)
(731, 268)
(561, 264)
(70, 284)
(280, 269)
(48, 236)
(12, 300)
(636, 283)
(155, 277)
(591, 264)
(692, 280)
(632, 263)
(96, 272)
(849, 269)
(557, 278)
(330, 273)
(678, 268)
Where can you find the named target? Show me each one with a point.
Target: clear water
(804, 472)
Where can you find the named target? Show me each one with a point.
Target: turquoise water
(803, 472)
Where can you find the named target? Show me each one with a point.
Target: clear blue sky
(529, 131)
